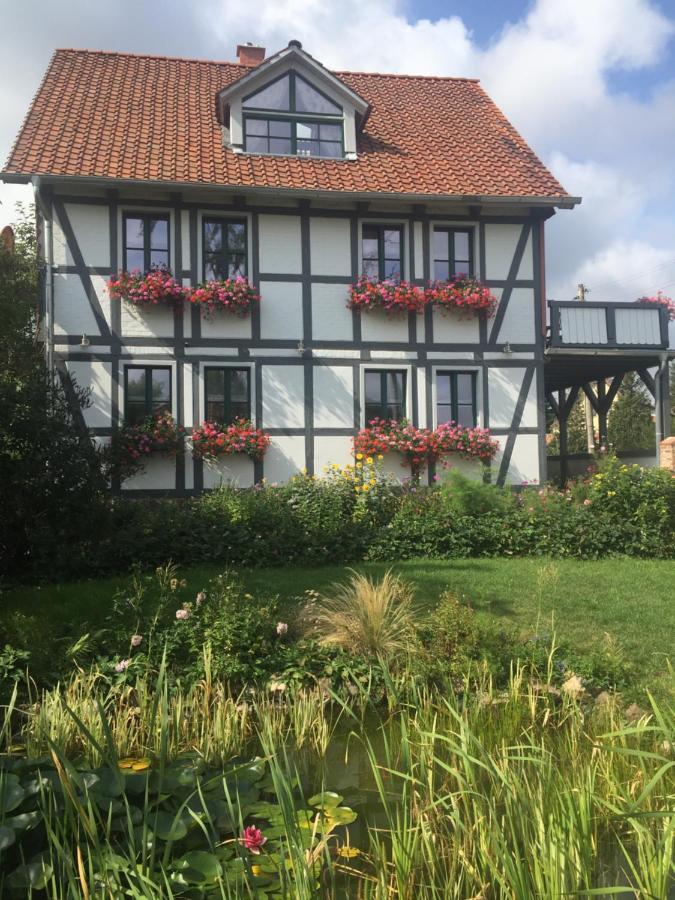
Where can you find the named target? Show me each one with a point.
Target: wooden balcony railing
(609, 326)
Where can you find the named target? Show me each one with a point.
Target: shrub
(365, 616)
(470, 497)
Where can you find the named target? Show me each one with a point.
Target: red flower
(253, 839)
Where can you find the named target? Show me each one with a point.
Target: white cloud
(551, 72)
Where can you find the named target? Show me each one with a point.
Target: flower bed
(132, 445)
(157, 287)
(462, 293)
(233, 295)
(420, 446)
(660, 300)
(210, 441)
(394, 297)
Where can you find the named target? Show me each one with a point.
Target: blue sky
(589, 83)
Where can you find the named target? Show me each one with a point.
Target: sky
(590, 84)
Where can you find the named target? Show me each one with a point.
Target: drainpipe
(662, 410)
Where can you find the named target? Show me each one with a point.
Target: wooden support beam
(552, 403)
(588, 390)
(648, 381)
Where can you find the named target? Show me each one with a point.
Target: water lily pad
(142, 764)
(199, 867)
(35, 875)
(167, 827)
(7, 837)
(326, 800)
(24, 821)
(126, 763)
(11, 793)
(342, 815)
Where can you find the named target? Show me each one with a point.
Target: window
(146, 241)
(452, 253)
(147, 392)
(381, 251)
(224, 249)
(385, 394)
(228, 395)
(290, 117)
(456, 398)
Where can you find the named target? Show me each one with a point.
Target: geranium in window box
(132, 445)
(233, 295)
(157, 287)
(660, 300)
(394, 297)
(210, 441)
(469, 443)
(464, 294)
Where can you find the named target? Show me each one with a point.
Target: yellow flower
(357, 488)
(359, 465)
(373, 482)
(380, 457)
(369, 460)
(366, 487)
(359, 455)
(611, 493)
(336, 466)
(256, 870)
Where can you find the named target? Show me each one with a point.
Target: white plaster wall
(524, 465)
(331, 320)
(72, 312)
(333, 397)
(419, 250)
(455, 328)
(518, 325)
(159, 474)
(285, 458)
(158, 321)
(504, 387)
(279, 244)
(97, 377)
(223, 324)
(330, 246)
(185, 241)
(281, 309)
(283, 397)
(92, 232)
(500, 246)
(377, 326)
(236, 470)
(329, 450)
(470, 468)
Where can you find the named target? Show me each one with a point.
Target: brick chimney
(250, 55)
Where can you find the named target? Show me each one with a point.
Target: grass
(628, 599)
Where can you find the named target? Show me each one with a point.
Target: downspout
(662, 416)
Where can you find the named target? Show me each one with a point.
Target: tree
(52, 492)
(630, 425)
(576, 430)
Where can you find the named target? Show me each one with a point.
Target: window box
(134, 443)
(157, 287)
(395, 298)
(235, 296)
(463, 294)
(211, 441)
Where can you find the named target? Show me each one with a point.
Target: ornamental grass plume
(367, 616)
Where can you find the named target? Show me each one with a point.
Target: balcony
(608, 326)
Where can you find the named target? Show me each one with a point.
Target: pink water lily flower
(253, 839)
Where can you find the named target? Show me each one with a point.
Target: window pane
(236, 267)
(373, 387)
(443, 413)
(330, 150)
(392, 268)
(135, 413)
(441, 247)
(371, 269)
(330, 132)
(239, 384)
(280, 146)
(274, 96)
(461, 268)
(236, 236)
(214, 385)
(280, 129)
(214, 268)
(159, 258)
(373, 411)
(443, 389)
(257, 144)
(308, 130)
(213, 237)
(256, 126)
(135, 260)
(465, 388)
(394, 386)
(392, 242)
(136, 385)
(239, 410)
(441, 271)
(461, 245)
(159, 234)
(134, 233)
(161, 385)
(215, 411)
(465, 416)
(308, 148)
(369, 247)
(307, 99)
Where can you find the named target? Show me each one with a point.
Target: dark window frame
(224, 220)
(146, 218)
(454, 394)
(383, 402)
(293, 117)
(381, 258)
(450, 233)
(148, 412)
(227, 393)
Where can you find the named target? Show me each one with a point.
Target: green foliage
(470, 497)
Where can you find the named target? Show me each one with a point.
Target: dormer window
(291, 117)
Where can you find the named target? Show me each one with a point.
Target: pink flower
(122, 666)
(182, 614)
(253, 839)
(136, 640)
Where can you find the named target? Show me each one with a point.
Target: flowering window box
(132, 445)
(463, 294)
(395, 298)
(157, 287)
(211, 441)
(233, 295)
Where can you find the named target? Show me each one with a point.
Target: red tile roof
(122, 116)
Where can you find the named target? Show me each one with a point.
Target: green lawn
(631, 600)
